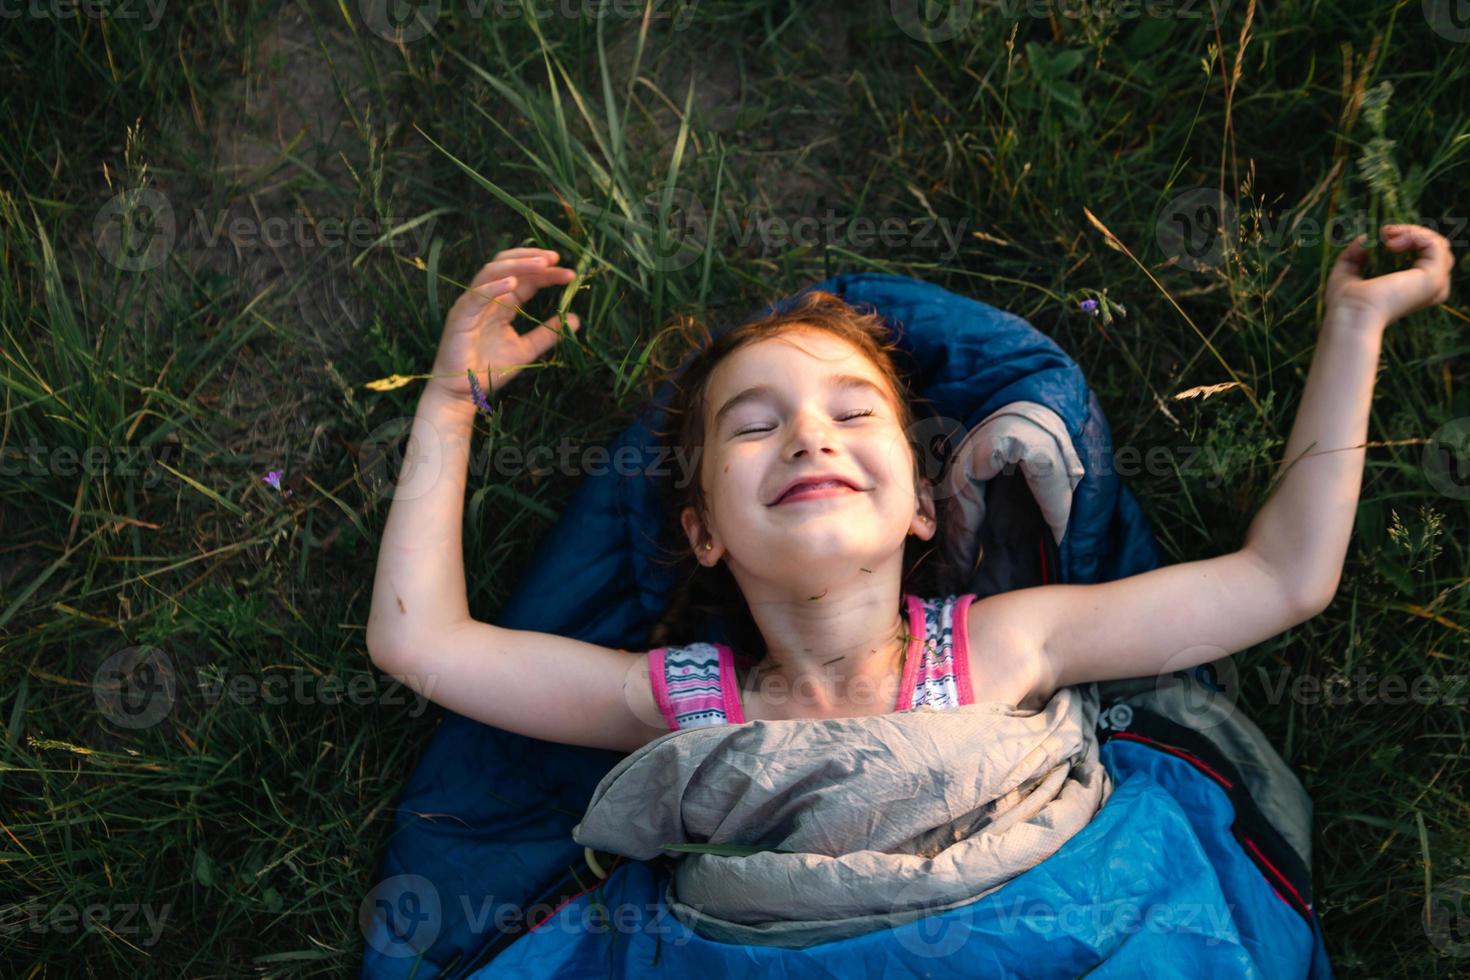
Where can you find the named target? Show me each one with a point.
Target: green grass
(252, 826)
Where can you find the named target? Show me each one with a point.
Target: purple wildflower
(274, 479)
(478, 395)
(1090, 305)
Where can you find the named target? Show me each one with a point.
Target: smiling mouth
(830, 488)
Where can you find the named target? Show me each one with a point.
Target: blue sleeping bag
(1198, 864)
(1153, 886)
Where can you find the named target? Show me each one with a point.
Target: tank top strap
(936, 671)
(694, 685)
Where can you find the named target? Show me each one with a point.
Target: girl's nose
(810, 431)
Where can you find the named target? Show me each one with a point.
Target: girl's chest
(764, 697)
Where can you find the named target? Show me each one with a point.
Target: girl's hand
(479, 333)
(1396, 294)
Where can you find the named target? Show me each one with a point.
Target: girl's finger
(518, 253)
(1433, 248)
(499, 267)
(1349, 264)
(1399, 236)
(532, 281)
(477, 299)
(516, 259)
(544, 337)
(486, 291)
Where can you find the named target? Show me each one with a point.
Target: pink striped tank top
(695, 684)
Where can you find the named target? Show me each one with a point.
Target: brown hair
(705, 593)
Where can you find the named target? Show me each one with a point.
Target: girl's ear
(924, 524)
(705, 548)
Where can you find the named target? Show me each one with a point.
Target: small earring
(706, 546)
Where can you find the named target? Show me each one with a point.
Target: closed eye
(848, 416)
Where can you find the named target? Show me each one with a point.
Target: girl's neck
(827, 681)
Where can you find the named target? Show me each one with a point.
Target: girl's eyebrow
(841, 382)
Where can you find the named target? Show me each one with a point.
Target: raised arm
(420, 585)
(1179, 616)
(419, 627)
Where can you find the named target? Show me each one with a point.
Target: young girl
(807, 489)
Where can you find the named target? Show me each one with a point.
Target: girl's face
(804, 404)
